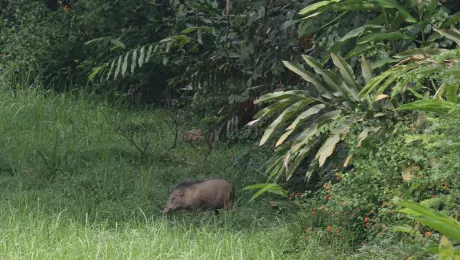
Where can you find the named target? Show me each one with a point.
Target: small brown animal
(201, 194)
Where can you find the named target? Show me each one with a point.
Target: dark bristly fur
(189, 183)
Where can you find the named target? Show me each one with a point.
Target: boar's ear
(181, 192)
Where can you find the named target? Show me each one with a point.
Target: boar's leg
(228, 205)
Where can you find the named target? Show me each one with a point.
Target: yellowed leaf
(407, 173)
(347, 161)
(273, 205)
(380, 97)
(253, 122)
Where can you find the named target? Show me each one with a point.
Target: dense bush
(414, 164)
(41, 45)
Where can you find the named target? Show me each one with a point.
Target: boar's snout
(166, 210)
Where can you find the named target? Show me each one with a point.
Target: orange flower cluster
(327, 197)
(338, 176)
(295, 195)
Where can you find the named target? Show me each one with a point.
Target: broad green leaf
(314, 7)
(451, 20)
(329, 77)
(431, 249)
(301, 118)
(304, 137)
(275, 163)
(112, 65)
(199, 37)
(277, 106)
(280, 95)
(168, 46)
(376, 37)
(415, 93)
(347, 75)
(96, 71)
(311, 168)
(118, 43)
(124, 66)
(366, 69)
(442, 227)
(420, 52)
(430, 105)
(300, 157)
(365, 133)
(397, 74)
(382, 62)
(255, 186)
(452, 34)
(141, 57)
(311, 16)
(352, 34)
(310, 77)
(452, 93)
(305, 115)
(165, 60)
(400, 228)
(440, 92)
(397, 77)
(344, 127)
(388, 76)
(277, 171)
(267, 187)
(396, 4)
(360, 49)
(432, 218)
(374, 82)
(149, 53)
(100, 39)
(352, 6)
(118, 68)
(290, 111)
(192, 29)
(430, 8)
(396, 22)
(329, 116)
(134, 61)
(326, 149)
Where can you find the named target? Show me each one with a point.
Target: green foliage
(44, 46)
(440, 222)
(395, 27)
(433, 80)
(222, 60)
(332, 105)
(418, 165)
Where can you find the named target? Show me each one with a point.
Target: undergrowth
(72, 187)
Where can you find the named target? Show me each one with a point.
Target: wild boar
(201, 194)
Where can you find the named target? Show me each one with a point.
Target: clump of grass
(39, 235)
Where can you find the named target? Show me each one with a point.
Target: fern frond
(430, 203)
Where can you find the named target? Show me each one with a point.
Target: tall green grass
(72, 188)
(61, 149)
(39, 236)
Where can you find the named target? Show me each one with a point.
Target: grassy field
(73, 188)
